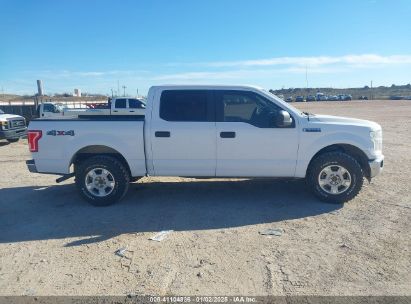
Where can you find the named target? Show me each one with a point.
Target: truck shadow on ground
(55, 212)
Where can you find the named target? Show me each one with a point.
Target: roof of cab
(205, 87)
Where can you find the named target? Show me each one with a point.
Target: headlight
(376, 138)
(4, 124)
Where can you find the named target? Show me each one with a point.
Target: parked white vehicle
(50, 110)
(115, 106)
(209, 131)
(12, 127)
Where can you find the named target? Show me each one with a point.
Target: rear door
(248, 142)
(120, 107)
(183, 134)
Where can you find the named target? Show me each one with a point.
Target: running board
(64, 177)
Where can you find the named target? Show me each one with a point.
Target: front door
(249, 144)
(183, 135)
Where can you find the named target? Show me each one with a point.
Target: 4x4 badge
(60, 133)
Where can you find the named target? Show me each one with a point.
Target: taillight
(33, 137)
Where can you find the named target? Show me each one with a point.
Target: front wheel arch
(348, 149)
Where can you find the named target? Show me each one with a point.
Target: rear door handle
(132, 111)
(162, 134)
(115, 111)
(227, 134)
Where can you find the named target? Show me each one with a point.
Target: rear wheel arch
(93, 150)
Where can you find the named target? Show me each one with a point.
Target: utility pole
(112, 93)
(124, 90)
(118, 87)
(137, 93)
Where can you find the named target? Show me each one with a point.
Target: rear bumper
(10, 134)
(376, 166)
(31, 165)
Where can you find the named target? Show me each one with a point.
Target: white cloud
(363, 60)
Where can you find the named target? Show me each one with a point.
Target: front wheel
(102, 180)
(335, 177)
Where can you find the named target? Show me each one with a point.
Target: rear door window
(121, 103)
(186, 105)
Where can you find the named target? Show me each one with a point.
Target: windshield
(282, 101)
(60, 108)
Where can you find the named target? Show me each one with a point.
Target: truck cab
(127, 106)
(50, 110)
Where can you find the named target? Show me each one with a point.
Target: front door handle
(227, 134)
(162, 134)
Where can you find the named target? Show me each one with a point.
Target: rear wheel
(102, 180)
(335, 177)
(12, 140)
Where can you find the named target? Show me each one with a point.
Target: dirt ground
(53, 243)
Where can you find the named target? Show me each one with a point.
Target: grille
(17, 123)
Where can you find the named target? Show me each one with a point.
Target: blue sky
(91, 44)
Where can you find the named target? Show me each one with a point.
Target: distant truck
(50, 110)
(310, 98)
(115, 106)
(12, 127)
(344, 97)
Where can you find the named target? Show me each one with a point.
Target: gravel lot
(53, 243)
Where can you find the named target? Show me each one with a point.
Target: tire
(13, 140)
(102, 180)
(327, 179)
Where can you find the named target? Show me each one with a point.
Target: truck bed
(62, 139)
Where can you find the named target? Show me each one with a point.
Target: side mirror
(283, 119)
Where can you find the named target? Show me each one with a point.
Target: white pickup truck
(209, 131)
(115, 106)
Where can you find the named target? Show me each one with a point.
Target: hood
(5, 117)
(329, 119)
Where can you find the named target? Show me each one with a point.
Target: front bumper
(376, 166)
(31, 165)
(11, 134)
